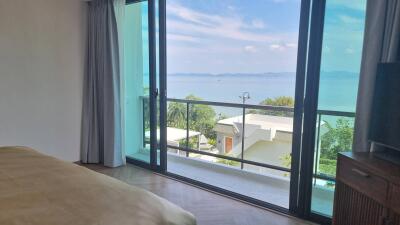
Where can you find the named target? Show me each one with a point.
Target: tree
(286, 101)
(279, 101)
(176, 115)
(202, 118)
(335, 140)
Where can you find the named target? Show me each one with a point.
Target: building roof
(278, 123)
(175, 134)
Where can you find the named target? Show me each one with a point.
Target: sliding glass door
(261, 95)
(232, 68)
(140, 84)
(342, 44)
(334, 58)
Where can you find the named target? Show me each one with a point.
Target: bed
(38, 189)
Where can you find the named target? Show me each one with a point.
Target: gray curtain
(101, 118)
(381, 44)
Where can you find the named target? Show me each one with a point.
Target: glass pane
(136, 82)
(227, 174)
(233, 52)
(268, 137)
(340, 67)
(217, 133)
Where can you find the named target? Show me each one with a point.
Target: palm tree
(176, 115)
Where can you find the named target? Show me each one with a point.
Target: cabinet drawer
(362, 180)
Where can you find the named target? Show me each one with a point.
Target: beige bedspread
(40, 190)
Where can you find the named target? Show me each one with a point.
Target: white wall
(42, 45)
(268, 152)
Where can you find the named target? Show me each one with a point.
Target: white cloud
(258, 24)
(195, 22)
(229, 36)
(231, 7)
(291, 45)
(250, 48)
(179, 37)
(276, 47)
(283, 47)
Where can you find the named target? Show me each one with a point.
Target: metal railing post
(144, 103)
(317, 147)
(187, 127)
(243, 130)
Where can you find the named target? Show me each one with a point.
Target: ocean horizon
(338, 89)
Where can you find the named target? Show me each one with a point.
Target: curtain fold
(381, 44)
(101, 140)
(119, 8)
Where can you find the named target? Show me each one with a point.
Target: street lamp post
(245, 96)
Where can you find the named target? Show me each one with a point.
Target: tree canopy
(279, 101)
(202, 118)
(286, 101)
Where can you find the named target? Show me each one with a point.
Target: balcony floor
(232, 179)
(267, 188)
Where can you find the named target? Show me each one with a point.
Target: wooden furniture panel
(362, 180)
(395, 199)
(395, 220)
(367, 191)
(348, 212)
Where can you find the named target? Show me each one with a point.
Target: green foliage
(193, 142)
(337, 139)
(327, 166)
(286, 160)
(201, 117)
(228, 162)
(212, 142)
(176, 115)
(277, 101)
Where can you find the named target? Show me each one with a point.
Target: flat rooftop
(278, 123)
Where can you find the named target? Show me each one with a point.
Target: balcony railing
(243, 107)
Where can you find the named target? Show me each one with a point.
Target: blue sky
(257, 36)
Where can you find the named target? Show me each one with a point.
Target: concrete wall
(42, 49)
(269, 153)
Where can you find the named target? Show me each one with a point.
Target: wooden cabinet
(367, 191)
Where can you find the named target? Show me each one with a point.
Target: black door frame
(301, 69)
(154, 93)
(313, 73)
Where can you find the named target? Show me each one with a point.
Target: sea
(337, 89)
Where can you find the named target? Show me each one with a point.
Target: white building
(268, 139)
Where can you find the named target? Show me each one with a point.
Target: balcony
(248, 152)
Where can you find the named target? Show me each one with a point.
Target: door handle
(361, 173)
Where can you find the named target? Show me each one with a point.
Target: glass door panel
(137, 82)
(339, 75)
(231, 89)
